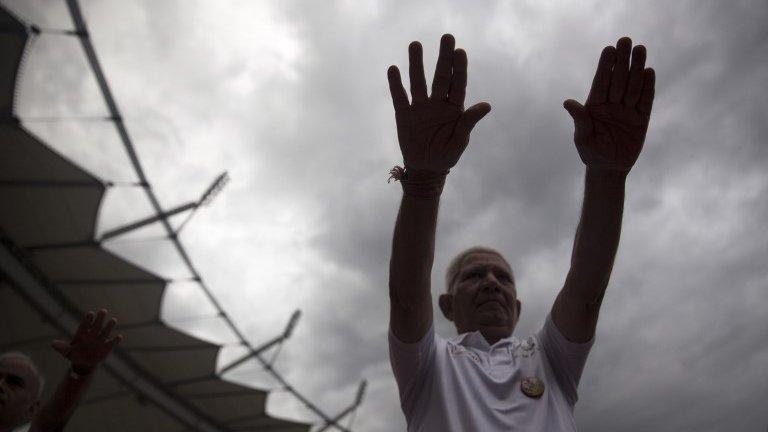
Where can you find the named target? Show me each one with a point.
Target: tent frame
(46, 298)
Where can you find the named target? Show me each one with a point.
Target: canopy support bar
(255, 352)
(350, 409)
(146, 221)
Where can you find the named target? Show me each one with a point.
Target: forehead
(482, 260)
(17, 366)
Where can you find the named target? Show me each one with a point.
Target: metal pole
(90, 54)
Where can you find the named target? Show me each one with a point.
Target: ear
(446, 305)
(519, 310)
(32, 409)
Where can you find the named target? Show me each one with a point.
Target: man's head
(481, 294)
(21, 386)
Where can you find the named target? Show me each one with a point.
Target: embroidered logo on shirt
(457, 350)
(527, 348)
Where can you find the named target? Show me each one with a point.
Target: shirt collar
(476, 340)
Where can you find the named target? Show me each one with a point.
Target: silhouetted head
(21, 386)
(481, 294)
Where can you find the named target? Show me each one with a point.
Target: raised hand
(433, 130)
(611, 126)
(91, 344)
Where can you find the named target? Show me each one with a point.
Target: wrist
(420, 184)
(605, 184)
(607, 175)
(81, 371)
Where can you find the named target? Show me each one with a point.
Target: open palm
(91, 343)
(611, 126)
(433, 131)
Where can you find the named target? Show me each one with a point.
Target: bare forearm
(413, 250)
(53, 416)
(432, 131)
(597, 237)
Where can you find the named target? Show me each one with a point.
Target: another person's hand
(611, 126)
(91, 344)
(433, 130)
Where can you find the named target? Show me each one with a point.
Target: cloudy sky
(290, 97)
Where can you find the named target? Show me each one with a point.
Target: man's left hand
(611, 126)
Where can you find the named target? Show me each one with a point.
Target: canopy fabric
(52, 270)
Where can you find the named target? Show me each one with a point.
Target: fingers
(94, 325)
(645, 103)
(470, 117)
(61, 347)
(635, 85)
(581, 119)
(399, 97)
(99, 320)
(442, 79)
(416, 72)
(458, 88)
(85, 324)
(114, 341)
(620, 70)
(104, 333)
(598, 94)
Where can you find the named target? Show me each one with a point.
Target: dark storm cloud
(304, 122)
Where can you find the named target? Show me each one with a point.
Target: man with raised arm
(485, 379)
(21, 384)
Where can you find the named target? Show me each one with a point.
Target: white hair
(32, 365)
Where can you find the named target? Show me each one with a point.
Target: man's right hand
(91, 344)
(433, 131)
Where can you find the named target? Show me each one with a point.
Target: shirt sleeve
(411, 363)
(566, 358)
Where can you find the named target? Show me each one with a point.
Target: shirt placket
(498, 359)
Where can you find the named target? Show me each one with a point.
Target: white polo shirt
(463, 384)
